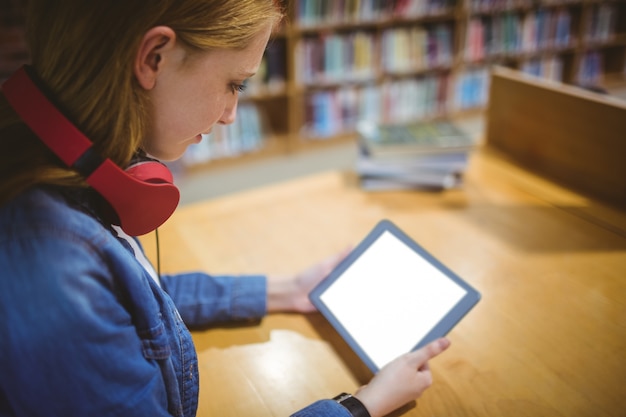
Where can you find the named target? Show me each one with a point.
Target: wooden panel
(569, 134)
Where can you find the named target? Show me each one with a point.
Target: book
(415, 138)
(436, 171)
(419, 155)
(419, 181)
(449, 161)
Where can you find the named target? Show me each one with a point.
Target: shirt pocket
(155, 346)
(154, 342)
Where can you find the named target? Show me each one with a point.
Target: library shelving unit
(335, 62)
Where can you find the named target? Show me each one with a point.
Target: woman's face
(193, 93)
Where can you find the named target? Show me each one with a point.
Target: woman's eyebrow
(247, 74)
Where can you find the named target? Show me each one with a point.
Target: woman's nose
(229, 115)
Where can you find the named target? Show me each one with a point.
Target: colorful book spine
(490, 36)
(246, 134)
(550, 68)
(312, 13)
(315, 13)
(416, 48)
(601, 22)
(336, 57)
(471, 89)
(562, 37)
(271, 76)
(488, 6)
(332, 112)
(591, 69)
(514, 33)
(421, 8)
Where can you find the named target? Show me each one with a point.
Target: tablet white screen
(390, 298)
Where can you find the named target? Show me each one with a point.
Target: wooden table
(547, 339)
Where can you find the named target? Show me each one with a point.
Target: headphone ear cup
(152, 172)
(143, 198)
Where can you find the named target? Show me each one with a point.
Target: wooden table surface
(548, 337)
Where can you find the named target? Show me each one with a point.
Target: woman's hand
(292, 294)
(401, 381)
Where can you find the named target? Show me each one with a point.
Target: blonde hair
(84, 53)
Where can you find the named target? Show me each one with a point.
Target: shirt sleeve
(204, 299)
(323, 408)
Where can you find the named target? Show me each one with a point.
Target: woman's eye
(238, 88)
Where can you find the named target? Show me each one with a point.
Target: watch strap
(352, 404)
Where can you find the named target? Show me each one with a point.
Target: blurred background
(335, 63)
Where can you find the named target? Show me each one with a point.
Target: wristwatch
(352, 404)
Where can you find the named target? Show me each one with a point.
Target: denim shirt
(86, 331)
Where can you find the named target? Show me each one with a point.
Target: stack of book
(421, 155)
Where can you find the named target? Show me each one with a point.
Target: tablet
(389, 296)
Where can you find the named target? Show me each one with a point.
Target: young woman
(88, 327)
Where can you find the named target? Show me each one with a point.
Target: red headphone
(143, 196)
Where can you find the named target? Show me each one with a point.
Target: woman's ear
(149, 59)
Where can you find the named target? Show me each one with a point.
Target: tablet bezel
(452, 317)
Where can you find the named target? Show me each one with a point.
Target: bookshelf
(337, 61)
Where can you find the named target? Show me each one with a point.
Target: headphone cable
(158, 253)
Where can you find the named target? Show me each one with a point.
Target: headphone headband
(143, 198)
